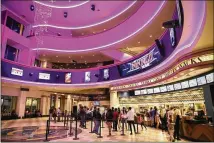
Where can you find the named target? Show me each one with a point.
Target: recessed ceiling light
(69, 57)
(58, 61)
(82, 33)
(93, 32)
(43, 54)
(104, 29)
(150, 36)
(56, 56)
(162, 27)
(98, 60)
(81, 56)
(138, 42)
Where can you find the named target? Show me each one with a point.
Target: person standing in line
(98, 121)
(119, 119)
(94, 117)
(54, 114)
(130, 120)
(82, 115)
(51, 113)
(151, 116)
(115, 119)
(154, 114)
(142, 121)
(123, 117)
(112, 109)
(58, 114)
(177, 117)
(109, 119)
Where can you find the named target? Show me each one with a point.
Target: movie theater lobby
(107, 71)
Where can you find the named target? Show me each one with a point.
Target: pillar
(114, 99)
(43, 106)
(57, 102)
(209, 99)
(20, 108)
(48, 99)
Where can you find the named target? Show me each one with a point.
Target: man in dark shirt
(94, 117)
(115, 119)
(97, 121)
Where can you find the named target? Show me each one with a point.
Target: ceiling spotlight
(82, 33)
(150, 36)
(32, 7)
(65, 14)
(43, 54)
(58, 61)
(138, 42)
(93, 55)
(69, 57)
(56, 56)
(104, 29)
(162, 27)
(94, 32)
(93, 7)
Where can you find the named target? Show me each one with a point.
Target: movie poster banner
(146, 61)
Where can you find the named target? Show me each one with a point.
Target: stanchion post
(91, 126)
(76, 138)
(123, 128)
(46, 134)
(67, 122)
(71, 133)
(100, 131)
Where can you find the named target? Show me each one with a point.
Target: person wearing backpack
(109, 120)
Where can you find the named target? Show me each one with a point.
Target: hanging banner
(143, 63)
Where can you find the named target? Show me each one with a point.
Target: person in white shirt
(130, 120)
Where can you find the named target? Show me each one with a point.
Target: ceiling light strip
(54, 6)
(110, 44)
(87, 26)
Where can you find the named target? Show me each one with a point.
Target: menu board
(177, 86)
(185, 84)
(210, 78)
(163, 89)
(45, 76)
(137, 92)
(150, 90)
(201, 80)
(87, 76)
(193, 83)
(143, 91)
(68, 78)
(170, 87)
(18, 72)
(156, 90)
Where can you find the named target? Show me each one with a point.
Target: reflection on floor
(34, 130)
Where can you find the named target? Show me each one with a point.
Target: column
(20, 108)
(43, 105)
(114, 99)
(57, 102)
(48, 100)
(209, 99)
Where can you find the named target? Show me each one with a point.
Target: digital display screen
(106, 74)
(192, 83)
(170, 87)
(210, 78)
(45, 76)
(172, 36)
(142, 63)
(96, 103)
(156, 90)
(137, 92)
(150, 90)
(68, 78)
(143, 91)
(201, 80)
(163, 89)
(87, 76)
(18, 72)
(177, 86)
(185, 84)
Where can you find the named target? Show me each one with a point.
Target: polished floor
(34, 130)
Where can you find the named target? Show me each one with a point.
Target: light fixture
(94, 32)
(82, 33)
(65, 14)
(43, 54)
(58, 61)
(162, 27)
(150, 36)
(104, 29)
(138, 42)
(56, 56)
(69, 57)
(32, 7)
(93, 55)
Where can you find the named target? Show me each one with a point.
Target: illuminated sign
(201, 80)
(210, 77)
(192, 83)
(137, 92)
(177, 86)
(44, 76)
(144, 91)
(68, 78)
(106, 74)
(87, 76)
(178, 67)
(156, 90)
(172, 36)
(149, 91)
(185, 84)
(18, 72)
(148, 60)
(170, 87)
